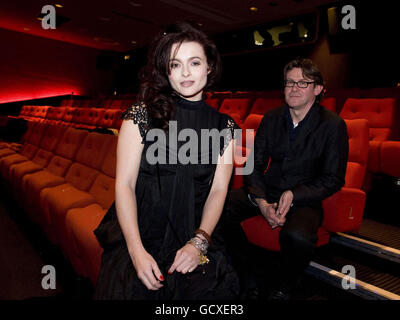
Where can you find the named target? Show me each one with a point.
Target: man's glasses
(300, 84)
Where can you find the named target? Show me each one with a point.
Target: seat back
(103, 188)
(357, 131)
(69, 115)
(252, 121)
(213, 102)
(330, 104)
(379, 113)
(37, 134)
(263, 105)
(236, 108)
(66, 150)
(59, 113)
(110, 118)
(51, 137)
(94, 116)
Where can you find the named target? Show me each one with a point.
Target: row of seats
(88, 118)
(65, 180)
(379, 112)
(247, 112)
(240, 108)
(340, 94)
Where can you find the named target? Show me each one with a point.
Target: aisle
(24, 251)
(20, 262)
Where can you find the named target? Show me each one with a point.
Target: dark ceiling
(122, 25)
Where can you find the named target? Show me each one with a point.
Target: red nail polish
(161, 278)
(169, 273)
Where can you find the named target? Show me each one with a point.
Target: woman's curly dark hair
(155, 90)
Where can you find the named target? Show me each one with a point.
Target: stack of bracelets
(201, 244)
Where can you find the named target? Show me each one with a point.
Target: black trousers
(297, 237)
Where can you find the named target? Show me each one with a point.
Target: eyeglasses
(300, 84)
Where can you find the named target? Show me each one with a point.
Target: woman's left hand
(186, 260)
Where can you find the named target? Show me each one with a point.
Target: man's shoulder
(276, 112)
(331, 118)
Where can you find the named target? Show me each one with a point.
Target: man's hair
(309, 70)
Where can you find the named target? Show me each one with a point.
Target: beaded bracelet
(201, 245)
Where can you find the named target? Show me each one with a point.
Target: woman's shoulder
(136, 112)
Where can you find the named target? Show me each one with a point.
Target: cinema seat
(28, 150)
(213, 102)
(390, 158)
(343, 211)
(56, 201)
(58, 114)
(41, 159)
(380, 114)
(54, 174)
(83, 249)
(69, 115)
(110, 119)
(263, 105)
(252, 122)
(236, 108)
(330, 104)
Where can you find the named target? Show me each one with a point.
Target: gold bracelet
(203, 258)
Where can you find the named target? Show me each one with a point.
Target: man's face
(300, 98)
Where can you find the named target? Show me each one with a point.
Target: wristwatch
(253, 197)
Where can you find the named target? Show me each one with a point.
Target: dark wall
(33, 67)
(363, 58)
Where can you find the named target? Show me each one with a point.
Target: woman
(157, 236)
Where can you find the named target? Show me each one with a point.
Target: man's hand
(268, 210)
(285, 202)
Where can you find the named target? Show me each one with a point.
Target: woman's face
(188, 70)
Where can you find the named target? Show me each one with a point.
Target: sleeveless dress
(170, 198)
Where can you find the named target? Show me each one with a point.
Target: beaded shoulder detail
(231, 126)
(138, 114)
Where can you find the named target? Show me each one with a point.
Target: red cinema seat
(53, 175)
(83, 249)
(343, 211)
(380, 114)
(28, 150)
(252, 122)
(69, 116)
(110, 119)
(213, 102)
(390, 158)
(263, 105)
(236, 108)
(330, 104)
(41, 159)
(74, 193)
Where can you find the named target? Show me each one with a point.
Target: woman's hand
(147, 270)
(186, 259)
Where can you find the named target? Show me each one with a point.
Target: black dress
(170, 199)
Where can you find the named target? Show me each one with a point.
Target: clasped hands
(186, 260)
(275, 213)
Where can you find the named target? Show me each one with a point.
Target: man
(300, 158)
